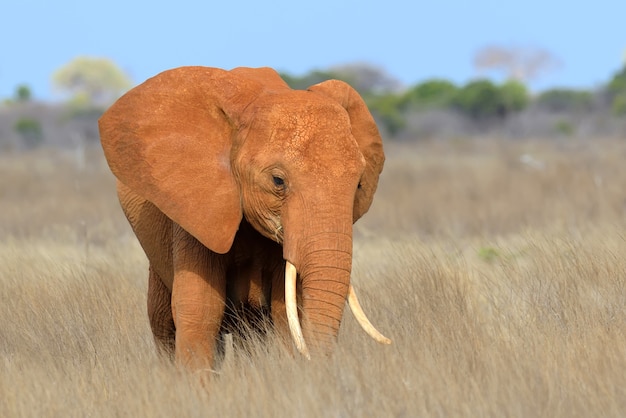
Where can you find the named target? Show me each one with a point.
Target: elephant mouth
(277, 229)
(270, 227)
(294, 322)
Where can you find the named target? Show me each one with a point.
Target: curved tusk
(292, 310)
(365, 323)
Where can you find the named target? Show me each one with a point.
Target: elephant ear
(169, 140)
(366, 134)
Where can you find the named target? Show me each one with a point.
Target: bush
(435, 93)
(23, 93)
(616, 90)
(386, 110)
(481, 99)
(309, 79)
(617, 85)
(619, 105)
(565, 100)
(564, 128)
(514, 96)
(30, 131)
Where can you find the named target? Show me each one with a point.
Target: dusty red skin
(224, 175)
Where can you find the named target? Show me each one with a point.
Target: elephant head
(210, 148)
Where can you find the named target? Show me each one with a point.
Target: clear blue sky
(412, 39)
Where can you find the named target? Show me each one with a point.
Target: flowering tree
(91, 81)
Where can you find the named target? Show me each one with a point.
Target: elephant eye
(359, 186)
(278, 181)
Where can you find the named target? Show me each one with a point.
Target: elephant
(243, 193)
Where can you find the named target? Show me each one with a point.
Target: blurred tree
(619, 105)
(23, 93)
(517, 63)
(309, 79)
(91, 81)
(616, 90)
(565, 100)
(481, 99)
(30, 131)
(367, 78)
(515, 96)
(429, 94)
(386, 110)
(618, 82)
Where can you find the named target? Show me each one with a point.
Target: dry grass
(502, 284)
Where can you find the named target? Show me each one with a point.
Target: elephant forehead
(325, 163)
(314, 144)
(304, 129)
(306, 132)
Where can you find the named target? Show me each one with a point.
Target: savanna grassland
(498, 268)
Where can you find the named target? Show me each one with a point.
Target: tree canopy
(91, 81)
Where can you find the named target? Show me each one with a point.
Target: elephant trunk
(322, 257)
(325, 280)
(323, 260)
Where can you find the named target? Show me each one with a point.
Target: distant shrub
(616, 90)
(30, 131)
(435, 93)
(79, 111)
(514, 96)
(477, 99)
(617, 85)
(564, 128)
(488, 254)
(618, 107)
(387, 111)
(482, 99)
(309, 79)
(565, 100)
(23, 93)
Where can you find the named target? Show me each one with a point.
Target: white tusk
(292, 309)
(365, 323)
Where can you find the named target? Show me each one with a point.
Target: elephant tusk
(292, 309)
(365, 323)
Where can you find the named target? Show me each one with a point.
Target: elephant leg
(198, 300)
(160, 314)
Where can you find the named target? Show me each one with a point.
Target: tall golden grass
(497, 268)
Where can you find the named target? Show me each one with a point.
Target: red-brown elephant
(242, 193)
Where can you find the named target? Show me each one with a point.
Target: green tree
(482, 99)
(515, 96)
(30, 131)
(366, 78)
(618, 106)
(616, 90)
(386, 110)
(618, 82)
(91, 81)
(479, 99)
(429, 94)
(309, 79)
(565, 100)
(23, 93)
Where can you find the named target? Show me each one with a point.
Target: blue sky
(412, 40)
